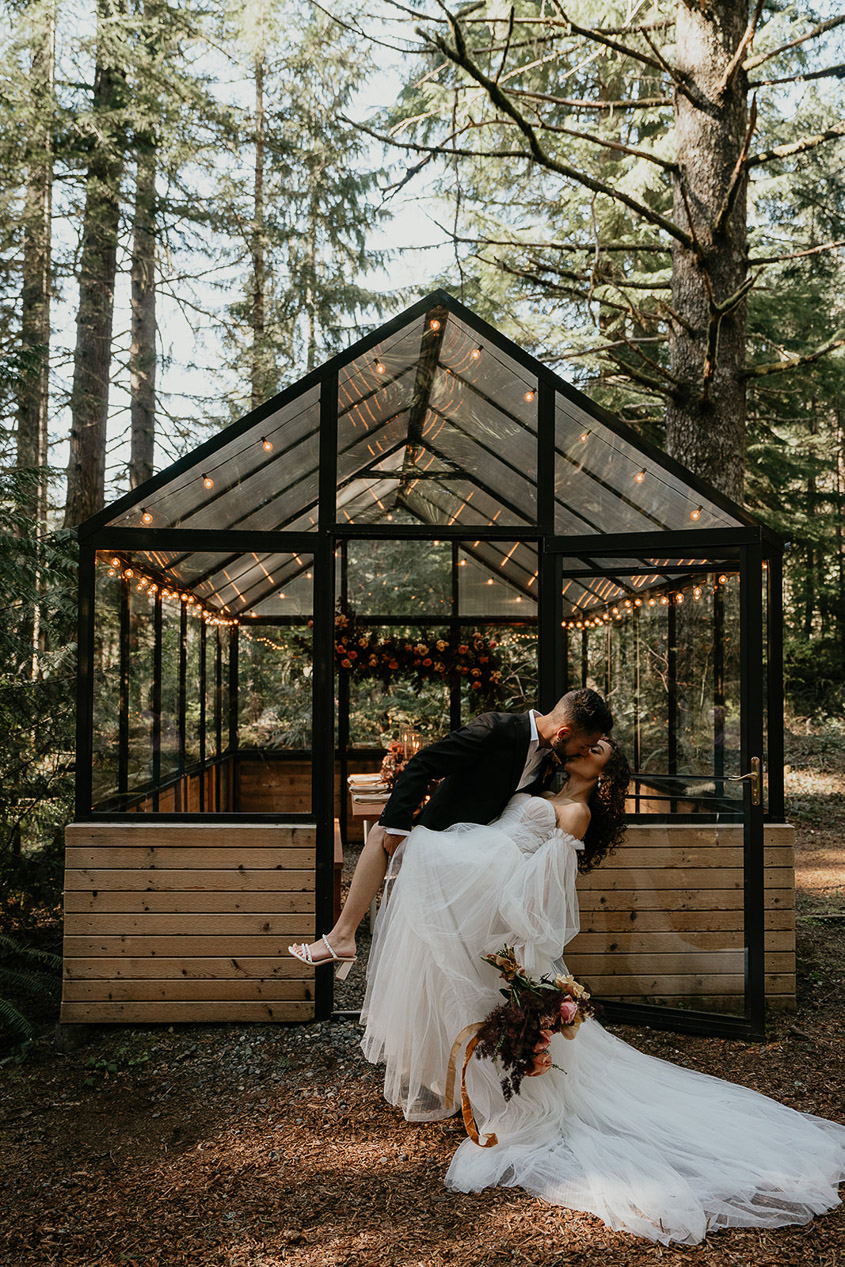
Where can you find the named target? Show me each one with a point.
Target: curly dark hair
(607, 827)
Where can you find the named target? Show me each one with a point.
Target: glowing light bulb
(696, 592)
(475, 354)
(679, 598)
(267, 445)
(434, 324)
(583, 435)
(129, 574)
(115, 563)
(640, 476)
(723, 579)
(207, 481)
(146, 517)
(380, 367)
(111, 572)
(696, 514)
(638, 602)
(529, 396)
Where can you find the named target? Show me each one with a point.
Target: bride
(651, 1148)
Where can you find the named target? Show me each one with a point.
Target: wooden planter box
(187, 922)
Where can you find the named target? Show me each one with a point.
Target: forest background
(201, 202)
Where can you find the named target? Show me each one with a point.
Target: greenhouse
(431, 524)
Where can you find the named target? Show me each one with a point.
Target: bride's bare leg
(366, 882)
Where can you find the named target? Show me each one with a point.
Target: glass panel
(265, 477)
(437, 425)
(106, 680)
(184, 757)
(605, 484)
(140, 687)
(663, 919)
(397, 578)
(497, 578)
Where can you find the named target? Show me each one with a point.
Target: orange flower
(476, 686)
(393, 664)
(426, 662)
(347, 664)
(463, 649)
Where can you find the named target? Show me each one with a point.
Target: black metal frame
(753, 540)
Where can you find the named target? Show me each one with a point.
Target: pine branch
(575, 103)
(665, 164)
(798, 147)
(598, 37)
(573, 247)
(738, 173)
(802, 39)
(653, 384)
(792, 362)
(736, 61)
(796, 255)
(836, 72)
(461, 58)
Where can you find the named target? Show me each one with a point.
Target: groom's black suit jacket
(479, 767)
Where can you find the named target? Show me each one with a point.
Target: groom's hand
(389, 841)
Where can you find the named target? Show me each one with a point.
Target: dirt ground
(271, 1146)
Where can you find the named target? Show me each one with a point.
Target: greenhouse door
(672, 630)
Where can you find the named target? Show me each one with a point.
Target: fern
(28, 974)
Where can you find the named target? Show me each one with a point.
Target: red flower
(353, 655)
(482, 659)
(393, 664)
(347, 664)
(476, 686)
(463, 649)
(463, 669)
(492, 645)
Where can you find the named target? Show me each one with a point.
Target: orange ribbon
(471, 1032)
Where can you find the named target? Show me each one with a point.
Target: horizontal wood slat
(156, 924)
(223, 968)
(196, 835)
(695, 963)
(172, 856)
(135, 901)
(654, 986)
(184, 1012)
(147, 990)
(690, 942)
(173, 947)
(593, 898)
(606, 921)
(241, 878)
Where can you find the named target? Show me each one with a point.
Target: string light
(696, 514)
(723, 579)
(476, 354)
(380, 367)
(115, 563)
(529, 396)
(640, 476)
(583, 436)
(267, 445)
(207, 481)
(146, 517)
(434, 324)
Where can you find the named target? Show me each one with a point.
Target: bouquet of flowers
(518, 1032)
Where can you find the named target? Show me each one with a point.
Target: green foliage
(106, 1067)
(28, 977)
(37, 696)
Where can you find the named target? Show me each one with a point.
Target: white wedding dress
(651, 1148)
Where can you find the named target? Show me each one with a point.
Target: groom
(480, 767)
(482, 764)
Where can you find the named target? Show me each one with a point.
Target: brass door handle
(755, 777)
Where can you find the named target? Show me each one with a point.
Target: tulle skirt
(651, 1148)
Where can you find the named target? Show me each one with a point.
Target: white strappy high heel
(302, 952)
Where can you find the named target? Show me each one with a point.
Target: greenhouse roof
(437, 421)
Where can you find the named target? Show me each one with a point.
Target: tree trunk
(98, 264)
(34, 389)
(142, 349)
(705, 423)
(258, 249)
